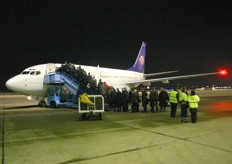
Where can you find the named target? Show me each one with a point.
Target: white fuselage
(113, 77)
(31, 80)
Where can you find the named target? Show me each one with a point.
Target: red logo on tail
(141, 60)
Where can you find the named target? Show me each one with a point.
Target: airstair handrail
(75, 86)
(79, 86)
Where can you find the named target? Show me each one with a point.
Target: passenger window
(37, 73)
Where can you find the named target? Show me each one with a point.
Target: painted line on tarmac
(183, 139)
(106, 155)
(145, 147)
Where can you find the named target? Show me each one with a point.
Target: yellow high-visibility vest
(172, 97)
(183, 97)
(193, 101)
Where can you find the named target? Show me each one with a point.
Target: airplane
(31, 81)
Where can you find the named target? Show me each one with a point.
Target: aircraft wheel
(42, 103)
(53, 104)
(83, 117)
(100, 116)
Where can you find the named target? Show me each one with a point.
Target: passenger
(154, 97)
(118, 101)
(112, 98)
(76, 74)
(135, 101)
(72, 69)
(88, 85)
(183, 100)
(79, 74)
(193, 101)
(144, 100)
(125, 100)
(66, 68)
(60, 69)
(103, 91)
(129, 100)
(99, 84)
(84, 77)
(174, 99)
(107, 87)
(93, 85)
(91, 82)
(89, 76)
(163, 100)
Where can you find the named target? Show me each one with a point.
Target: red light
(223, 72)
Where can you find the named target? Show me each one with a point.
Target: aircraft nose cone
(10, 83)
(13, 84)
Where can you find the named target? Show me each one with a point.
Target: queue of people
(158, 101)
(80, 75)
(129, 100)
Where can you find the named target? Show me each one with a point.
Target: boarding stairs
(75, 87)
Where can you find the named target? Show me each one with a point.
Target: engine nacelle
(165, 81)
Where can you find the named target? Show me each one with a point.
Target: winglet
(139, 65)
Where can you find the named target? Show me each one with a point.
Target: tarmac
(34, 135)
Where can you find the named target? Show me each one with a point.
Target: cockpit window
(32, 72)
(25, 72)
(37, 73)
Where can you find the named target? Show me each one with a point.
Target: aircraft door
(50, 68)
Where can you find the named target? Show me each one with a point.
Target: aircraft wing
(167, 79)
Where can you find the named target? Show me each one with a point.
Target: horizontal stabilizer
(135, 83)
(159, 73)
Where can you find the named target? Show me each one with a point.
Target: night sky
(191, 36)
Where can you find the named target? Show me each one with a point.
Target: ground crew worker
(193, 101)
(174, 99)
(183, 100)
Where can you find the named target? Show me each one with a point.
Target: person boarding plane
(31, 81)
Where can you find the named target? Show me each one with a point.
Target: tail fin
(139, 65)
